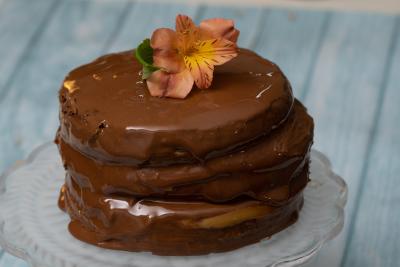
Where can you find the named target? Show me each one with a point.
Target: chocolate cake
(221, 169)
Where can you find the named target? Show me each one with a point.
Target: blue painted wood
(144, 18)
(291, 38)
(375, 234)
(330, 58)
(164, 16)
(10, 261)
(343, 99)
(74, 36)
(19, 33)
(1, 3)
(30, 106)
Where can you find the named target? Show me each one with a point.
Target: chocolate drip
(241, 104)
(219, 170)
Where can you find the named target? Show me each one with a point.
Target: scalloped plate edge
(294, 260)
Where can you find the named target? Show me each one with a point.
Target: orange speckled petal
(208, 54)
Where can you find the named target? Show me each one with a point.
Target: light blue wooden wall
(344, 66)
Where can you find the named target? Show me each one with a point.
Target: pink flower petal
(163, 39)
(184, 23)
(169, 60)
(165, 55)
(187, 32)
(157, 83)
(219, 28)
(163, 84)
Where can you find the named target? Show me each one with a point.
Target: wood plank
(342, 97)
(17, 35)
(382, 6)
(32, 115)
(10, 261)
(29, 109)
(375, 234)
(144, 18)
(291, 39)
(128, 38)
(272, 33)
(21, 23)
(324, 103)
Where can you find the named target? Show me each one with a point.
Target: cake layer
(176, 227)
(107, 112)
(221, 169)
(253, 171)
(271, 189)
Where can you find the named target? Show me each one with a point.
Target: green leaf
(144, 54)
(148, 70)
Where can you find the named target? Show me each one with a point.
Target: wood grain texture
(343, 99)
(343, 65)
(10, 261)
(32, 114)
(382, 6)
(143, 19)
(19, 33)
(73, 36)
(292, 40)
(374, 238)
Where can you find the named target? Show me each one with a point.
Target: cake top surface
(249, 96)
(112, 88)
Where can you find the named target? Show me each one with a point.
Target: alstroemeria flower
(188, 55)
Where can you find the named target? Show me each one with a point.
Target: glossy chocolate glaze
(168, 227)
(219, 170)
(111, 116)
(220, 179)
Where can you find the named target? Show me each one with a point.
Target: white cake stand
(34, 229)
